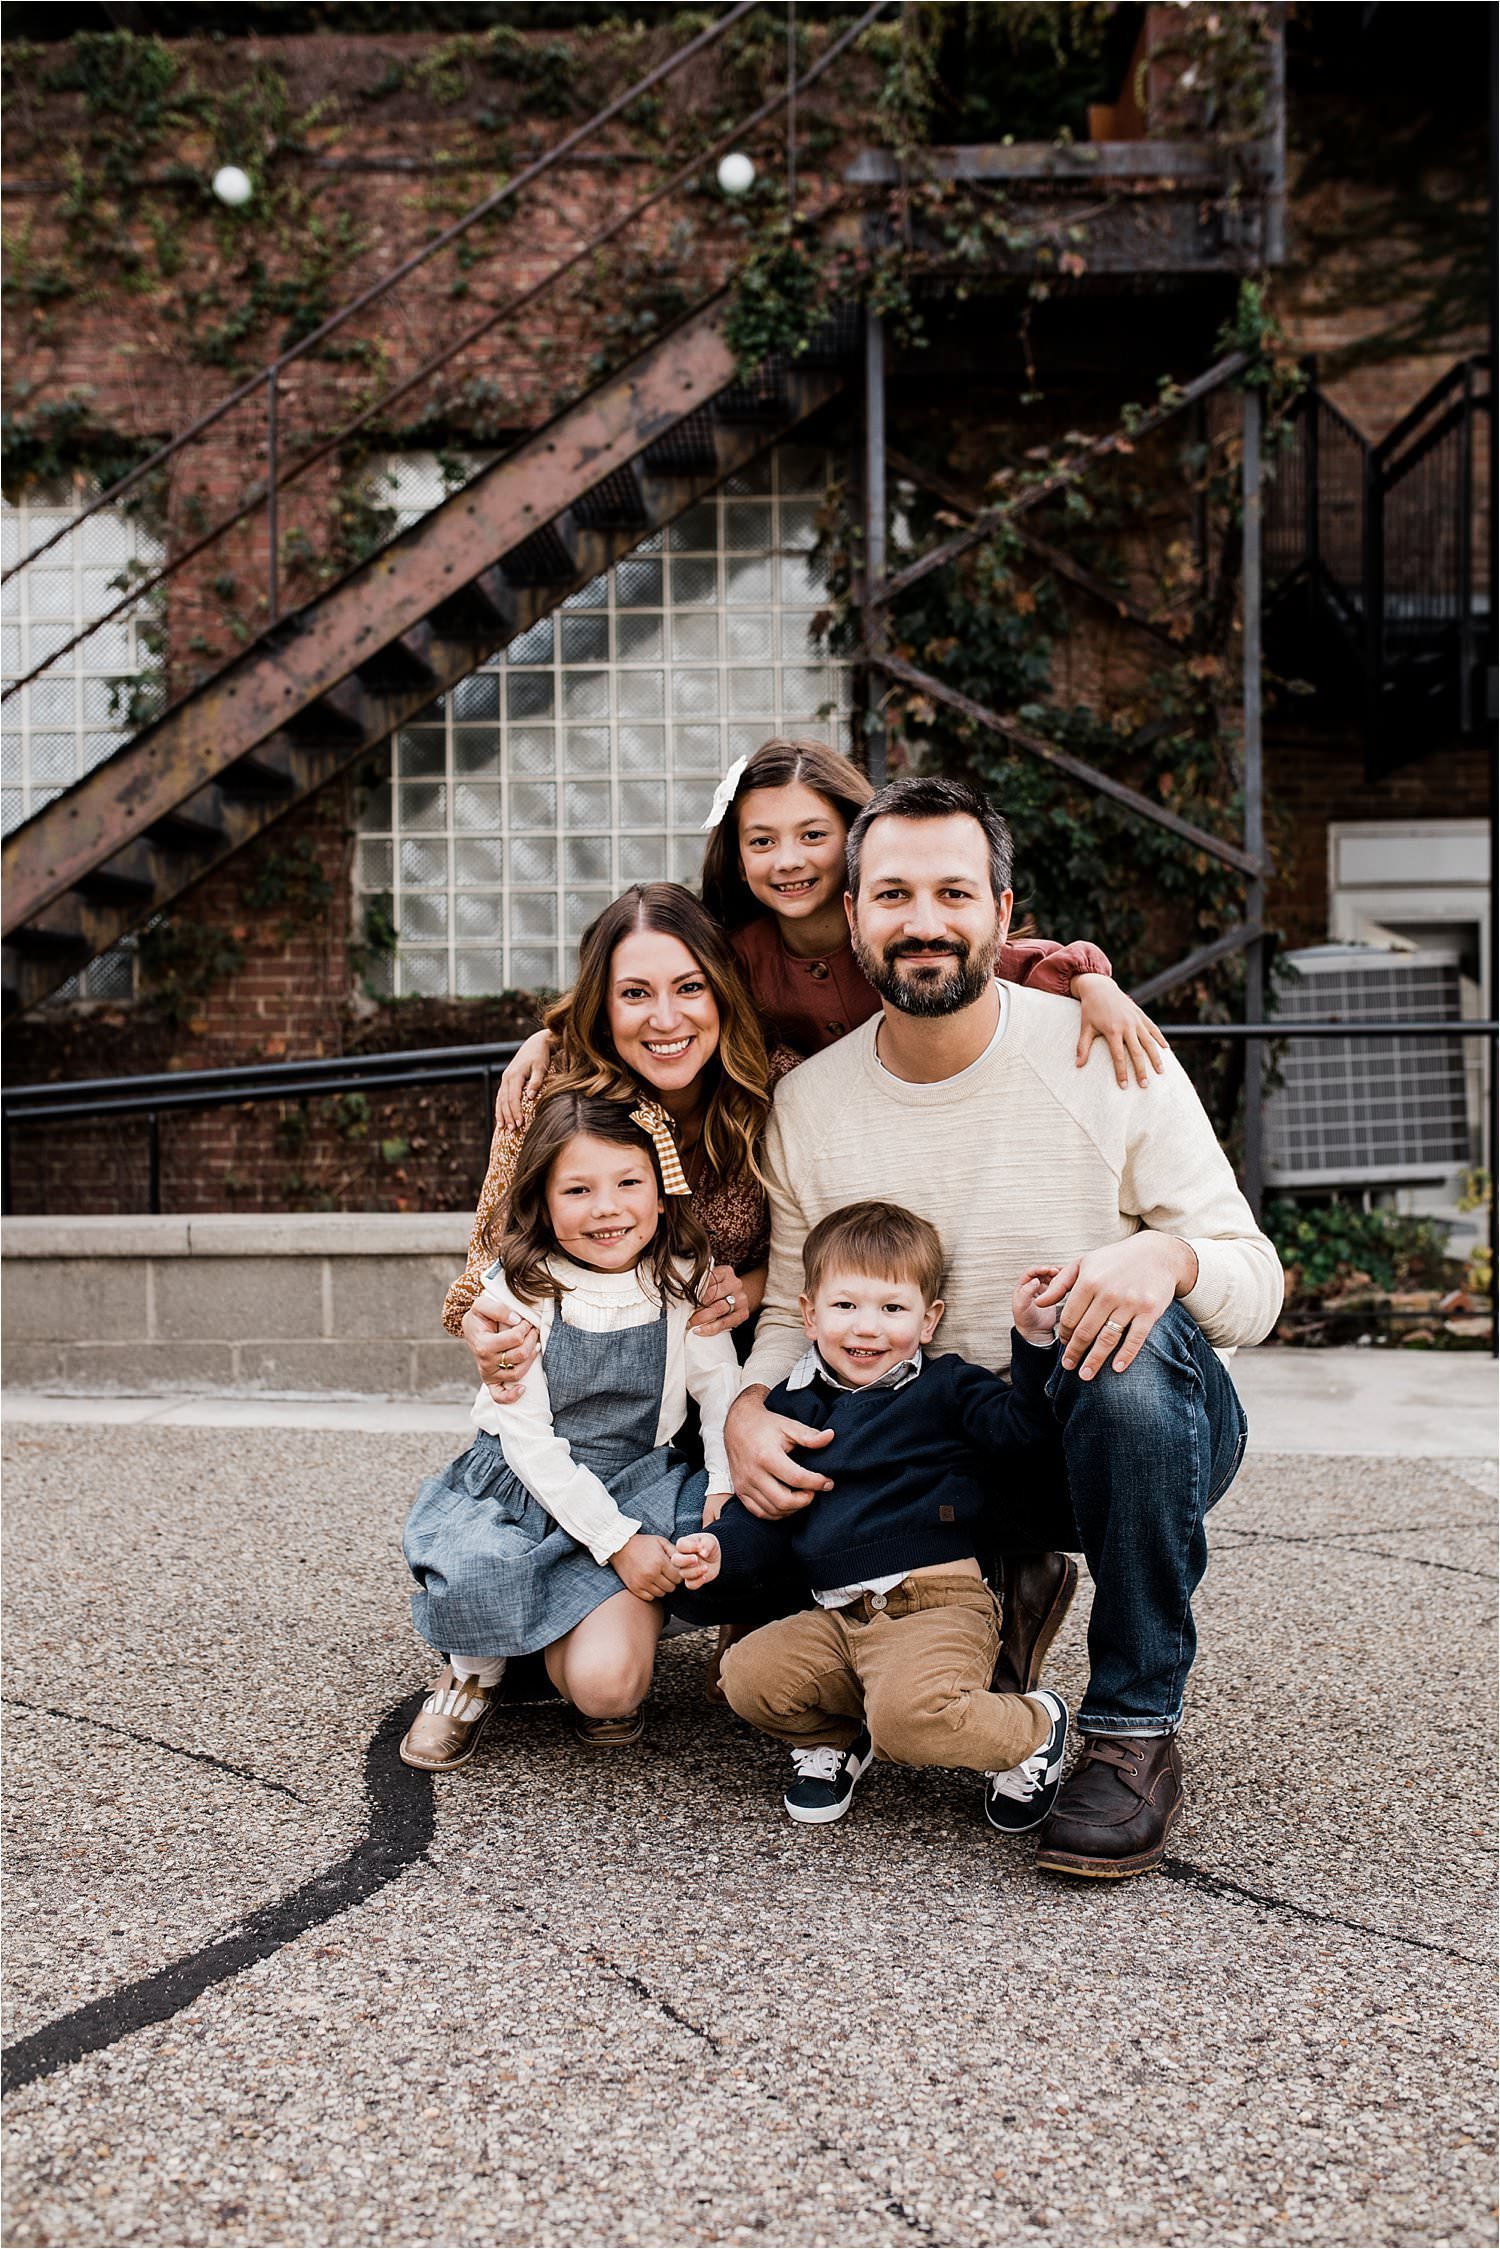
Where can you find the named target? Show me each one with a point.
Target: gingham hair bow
(658, 1125)
(724, 794)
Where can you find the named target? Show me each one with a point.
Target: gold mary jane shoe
(610, 1733)
(445, 1733)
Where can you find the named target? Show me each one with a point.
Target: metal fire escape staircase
(326, 683)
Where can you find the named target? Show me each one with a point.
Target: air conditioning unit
(1361, 1112)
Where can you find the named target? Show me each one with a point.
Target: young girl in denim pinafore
(555, 1530)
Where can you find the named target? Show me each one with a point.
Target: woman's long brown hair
(738, 1098)
(775, 765)
(528, 1240)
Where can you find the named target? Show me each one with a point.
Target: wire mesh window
(90, 701)
(585, 757)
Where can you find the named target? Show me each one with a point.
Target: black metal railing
(175, 1091)
(1387, 547)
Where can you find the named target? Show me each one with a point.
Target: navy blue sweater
(915, 1471)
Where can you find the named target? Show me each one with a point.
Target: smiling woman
(659, 1010)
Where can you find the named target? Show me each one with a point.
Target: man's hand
(1112, 1298)
(646, 1566)
(697, 1556)
(759, 1444)
(503, 1346)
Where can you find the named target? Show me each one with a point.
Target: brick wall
(296, 992)
(1313, 780)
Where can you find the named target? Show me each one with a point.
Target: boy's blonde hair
(878, 1241)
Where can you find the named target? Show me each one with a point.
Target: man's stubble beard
(937, 994)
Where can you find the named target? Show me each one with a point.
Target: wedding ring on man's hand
(1117, 1325)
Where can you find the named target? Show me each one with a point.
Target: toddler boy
(896, 1659)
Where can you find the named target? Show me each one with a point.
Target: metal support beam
(1062, 565)
(1255, 825)
(873, 574)
(1273, 148)
(939, 692)
(1066, 472)
(1234, 940)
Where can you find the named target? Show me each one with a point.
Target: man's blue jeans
(1139, 1460)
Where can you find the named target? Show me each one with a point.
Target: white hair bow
(724, 794)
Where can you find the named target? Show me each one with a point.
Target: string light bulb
(232, 186)
(736, 173)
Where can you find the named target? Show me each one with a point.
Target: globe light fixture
(736, 173)
(232, 186)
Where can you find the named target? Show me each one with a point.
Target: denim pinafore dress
(496, 1575)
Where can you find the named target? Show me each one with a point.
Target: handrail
(1390, 473)
(1413, 418)
(377, 289)
(246, 1082)
(310, 1080)
(277, 481)
(156, 1095)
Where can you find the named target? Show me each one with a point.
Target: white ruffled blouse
(703, 1367)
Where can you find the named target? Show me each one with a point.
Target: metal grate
(1352, 1112)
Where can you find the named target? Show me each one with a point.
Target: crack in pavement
(1375, 1553)
(397, 1835)
(643, 1990)
(152, 1741)
(1219, 1885)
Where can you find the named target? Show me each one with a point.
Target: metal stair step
(182, 831)
(332, 718)
(256, 777)
(686, 449)
(402, 664)
(547, 558)
(614, 504)
(37, 941)
(108, 886)
(762, 399)
(484, 610)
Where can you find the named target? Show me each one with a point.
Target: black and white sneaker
(1021, 1799)
(824, 1787)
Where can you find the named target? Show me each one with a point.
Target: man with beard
(962, 1100)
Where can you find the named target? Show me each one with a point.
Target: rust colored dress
(733, 1212)
(812, 1003)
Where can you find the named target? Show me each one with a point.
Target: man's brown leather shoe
(1036, 1592)
(1115, 1814)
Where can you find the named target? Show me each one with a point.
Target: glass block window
(585, 757)
(86, 705)
(412, 484)
(77, 712)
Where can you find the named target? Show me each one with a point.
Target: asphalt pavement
(266, 1985)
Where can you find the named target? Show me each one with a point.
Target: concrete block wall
(288, 1306)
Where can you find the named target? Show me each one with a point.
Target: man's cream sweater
(1022, 1159)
